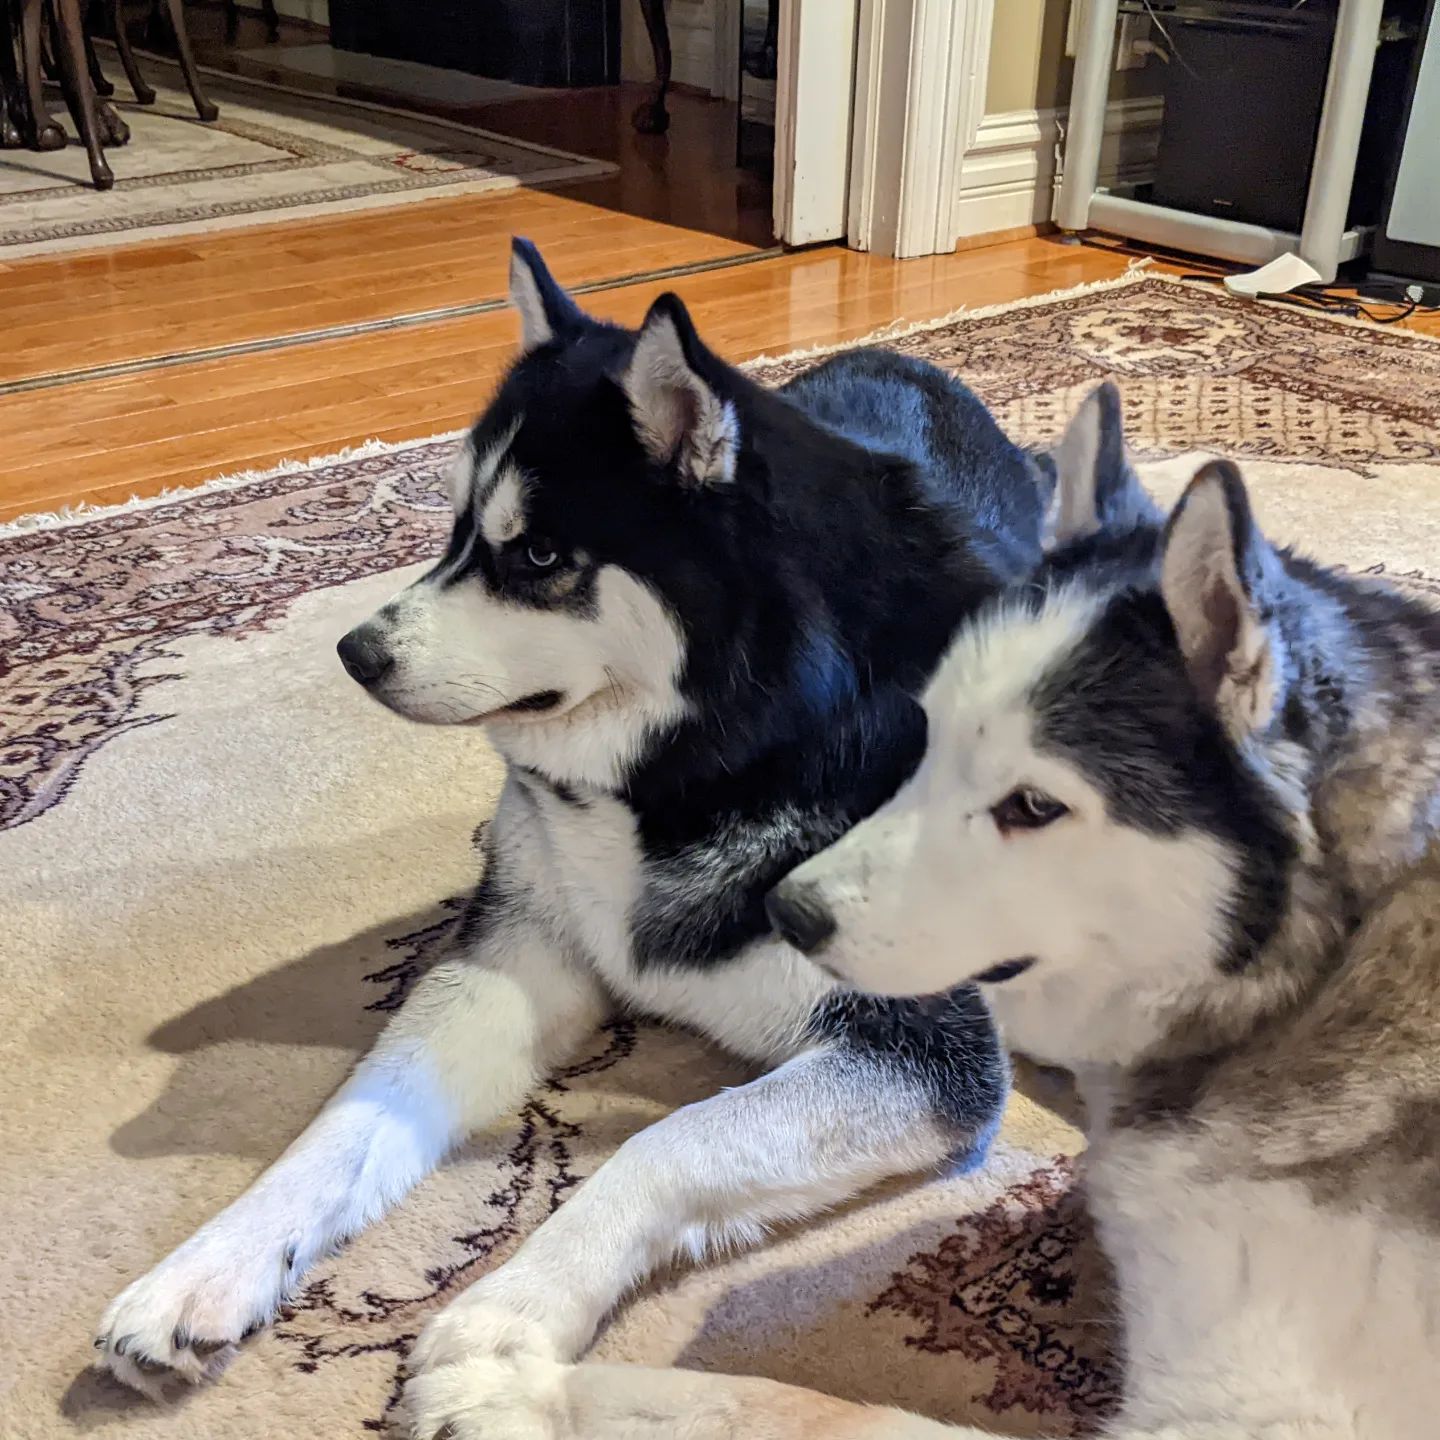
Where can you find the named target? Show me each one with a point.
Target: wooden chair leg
(272, 19)
(46, 132)
(651, 117)
(12, 84)
(11, 100)
(9, 128)
(144, 95)
(205, 108)
(92, 63)
(70, 42)
(111, 129)
(770, 46)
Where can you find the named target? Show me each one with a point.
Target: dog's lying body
(1219, 765)
(691, 614)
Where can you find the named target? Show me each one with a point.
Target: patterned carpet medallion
(219, 871)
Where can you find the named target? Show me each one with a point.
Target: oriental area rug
(272, 154)
(220, 871)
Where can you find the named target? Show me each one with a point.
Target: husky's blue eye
(540, 555)
(1027, 809)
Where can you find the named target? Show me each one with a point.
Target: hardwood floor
(687, 177)
(67, 311)
(104, 440)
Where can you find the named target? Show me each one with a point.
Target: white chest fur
(577, 868)
(580, 870)
(1246, 1292)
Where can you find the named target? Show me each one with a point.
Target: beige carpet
(274, 154)
(219, 869)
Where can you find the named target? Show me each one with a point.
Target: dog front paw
(502, 1317)
(184, 1320)
(488, 1399)
(477, 1329)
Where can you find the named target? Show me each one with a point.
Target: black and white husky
(1177, 815)
(690, 613)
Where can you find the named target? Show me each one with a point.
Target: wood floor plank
(417, 383)
(157, 429)
(64, 311)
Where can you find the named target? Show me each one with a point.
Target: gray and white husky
(1177, 816)
(692, 614)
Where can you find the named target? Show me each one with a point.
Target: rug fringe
(84, 512)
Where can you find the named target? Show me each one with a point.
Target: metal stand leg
(1352, 61)
(1086, 125)
(1332, 173)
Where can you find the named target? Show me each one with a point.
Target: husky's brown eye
(1027, 809)
(540, 554)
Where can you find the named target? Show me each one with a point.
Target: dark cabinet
(531, 42)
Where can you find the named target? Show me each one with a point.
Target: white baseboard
(1008, 176)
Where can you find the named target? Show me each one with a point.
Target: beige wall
(1029, 69)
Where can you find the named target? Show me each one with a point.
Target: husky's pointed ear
(1095, 488)
(545, 309)
(679, 419)
(1213, 577)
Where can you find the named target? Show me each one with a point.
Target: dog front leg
(464, 1048)
(542, 1400)
(810, 1134)
(481, 1399)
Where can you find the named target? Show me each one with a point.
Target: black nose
(364, 657)
(798, 915)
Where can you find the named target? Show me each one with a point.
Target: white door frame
(919, 98)
(814, 94)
